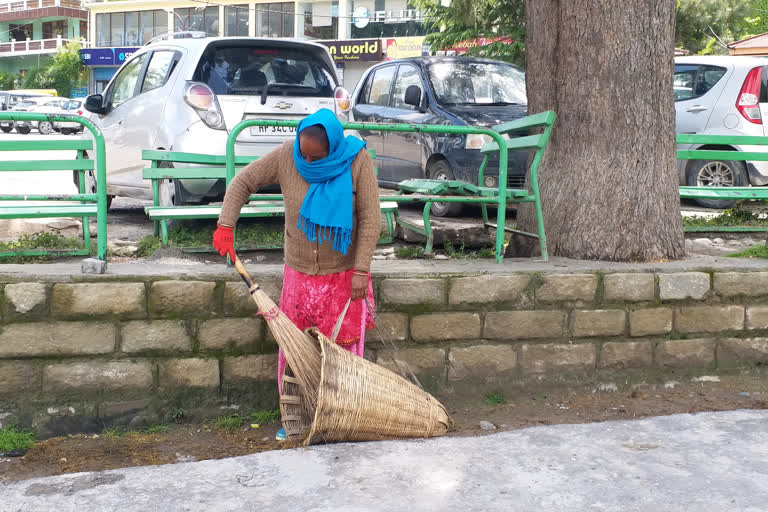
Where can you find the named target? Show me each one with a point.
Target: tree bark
(608, 178)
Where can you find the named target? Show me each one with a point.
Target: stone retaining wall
(107, 350)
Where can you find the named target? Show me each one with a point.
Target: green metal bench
(724, 193)
(213, 167)
(84, 205)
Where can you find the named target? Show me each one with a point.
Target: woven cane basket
(361, 401)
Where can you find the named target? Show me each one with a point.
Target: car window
(381, 84)
(247, 70)
(72, 105)
(124, 87)
(407, 75)
(157, 70)
(692, 81)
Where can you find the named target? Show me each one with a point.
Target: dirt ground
(185, 443)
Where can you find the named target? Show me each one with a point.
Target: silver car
(186, 94)
(721, 95)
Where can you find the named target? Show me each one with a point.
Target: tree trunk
(608, 179)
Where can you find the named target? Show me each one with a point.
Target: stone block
(238, 302)
(56, 338)
(25, 299)
(182, 297)
(419, 360)
(18, 377)
(93, 266)
(709, 318)
(555, 357)
(598, 322)
(487, 289)
(627, 354)
(746, 284)
(393, 326)
(629, 287)
(694, 353)
(683, 285)
(229, 333)
(445, 326)
(413, 291)
(740, 352)
(93, 376)
(201, 373)
(646, 322)
(757, 317)
(121, 299)
(155, 335)
(514, 325)
(481, 361)
(567, 287)
(250, 368)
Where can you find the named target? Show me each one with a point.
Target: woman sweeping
(332, 224)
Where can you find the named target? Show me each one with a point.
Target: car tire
(6, 129)
(66, 131)
(24, 130)
(45, 127)
(716, 173)
(90, 185)
(172, 192)
(440, 170)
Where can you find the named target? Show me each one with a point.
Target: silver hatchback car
(721, 95)
(186, 94)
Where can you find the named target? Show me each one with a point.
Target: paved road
(703, 462)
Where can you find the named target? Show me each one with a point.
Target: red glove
(224, 241)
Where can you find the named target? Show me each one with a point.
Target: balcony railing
(25, 5)
(36, 46)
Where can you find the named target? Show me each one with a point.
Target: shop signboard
(403, 47)
(78, 92)
(462, 47)
(355, 50)
(97, 57)
(123, 54)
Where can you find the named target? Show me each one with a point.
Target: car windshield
(247, 70)
(72, 105)
(477, 83)
(25, 104)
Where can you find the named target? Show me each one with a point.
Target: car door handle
(697, 108)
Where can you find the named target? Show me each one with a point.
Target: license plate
(272, 130)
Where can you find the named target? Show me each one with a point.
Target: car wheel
(45, 127)
(440, 170)
(23, 129)
(716, 173)
(6, 129)
(90, 185)
(172, 193)
(66, 131)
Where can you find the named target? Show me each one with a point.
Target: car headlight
(477, 140)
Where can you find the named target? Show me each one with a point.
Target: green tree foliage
(7, 81)
(464, 20)
(698, 21)
(63, 73)
(760, 12)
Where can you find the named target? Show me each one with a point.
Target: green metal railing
(79, 164)
(500, 200)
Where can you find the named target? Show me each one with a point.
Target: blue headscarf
(327, 209)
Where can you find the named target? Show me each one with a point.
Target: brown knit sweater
(312, 258)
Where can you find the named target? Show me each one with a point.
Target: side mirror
(413, 96)
(95, 103)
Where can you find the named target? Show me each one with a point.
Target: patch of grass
(12, 438)
(148, 245)
(410, 252)
(264, 417)
(494, 399)
(228, 423)
(736, 216)
(463, 253)
(756, 251)
(112, 433)
(37, 241)
(156, 429)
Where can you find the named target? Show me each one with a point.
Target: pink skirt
(317, 301)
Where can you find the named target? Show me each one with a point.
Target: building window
(117, 32)
(321, 19)
(20, 32)
(237, 20)
(130, 28)
(203, 20)
(51, 29)
(388, 18)
(83, 29)
(274, 20)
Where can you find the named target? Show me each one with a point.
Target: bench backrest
(720, 154)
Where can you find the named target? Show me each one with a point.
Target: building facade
(119, 27)
(31, 31)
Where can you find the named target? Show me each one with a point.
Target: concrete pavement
(703, 462)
